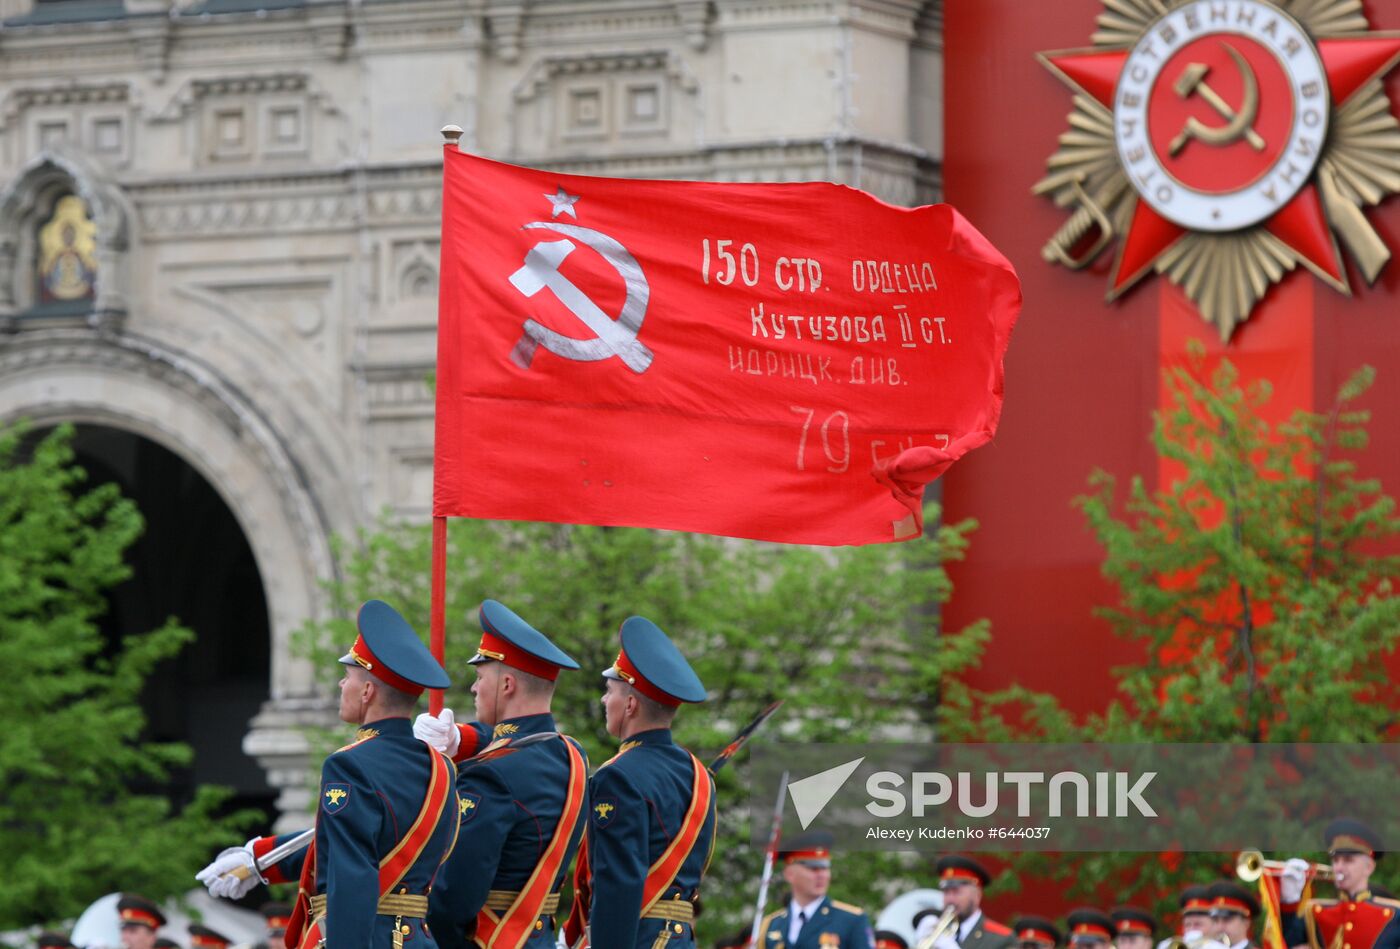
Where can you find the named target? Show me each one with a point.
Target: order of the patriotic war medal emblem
(1222, 143)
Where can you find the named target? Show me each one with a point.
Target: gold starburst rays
(1224, 275)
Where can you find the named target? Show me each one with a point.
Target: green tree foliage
(826, 630)
(1260, 584)
(80, 810)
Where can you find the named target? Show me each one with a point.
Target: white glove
(219, 878)
(440, 732)
(1291, 880)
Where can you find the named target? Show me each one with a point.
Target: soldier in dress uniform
(202, 937)
(651, 822)
(1234, 910)
(1367, 920)
(811, 919)
(1196, 923)
(1133, 928)
(524, 805)
(1036, 932)
(962, 879)
(277, 916)
(735, 940)
(1089, 929)
(387, 812)
(140, 918)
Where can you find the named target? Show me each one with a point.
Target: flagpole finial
(451, 133)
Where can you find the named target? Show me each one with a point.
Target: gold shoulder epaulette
(362, 735)
(763, 926)
(848, 907)
(1386, 901)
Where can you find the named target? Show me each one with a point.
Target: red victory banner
(784, 362)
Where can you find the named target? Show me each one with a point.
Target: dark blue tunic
(638, 802)
(512, 805)
(834, 925)
(371, 793)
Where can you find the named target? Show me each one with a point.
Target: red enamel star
(1301, 224)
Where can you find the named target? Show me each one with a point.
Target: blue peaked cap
(652, 664)
(392, 652)
(507, 638)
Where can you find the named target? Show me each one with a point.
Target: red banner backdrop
(786, 362)
(1085, 373)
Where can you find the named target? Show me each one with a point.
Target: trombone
(947, 921)
(1250, 865)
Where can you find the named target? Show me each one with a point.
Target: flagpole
(437, 621)
(437, 617)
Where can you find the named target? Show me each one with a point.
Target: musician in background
(1234, 909)
(961, 880)
(1360, 918)
(1133, 928)
(1089, 929)
(1036, 932)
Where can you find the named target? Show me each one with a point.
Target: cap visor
(612, 673)
(478, 659)
(348, 660)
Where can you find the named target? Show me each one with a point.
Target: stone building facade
(250, 278)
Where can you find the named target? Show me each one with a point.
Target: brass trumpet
(947, 921)
(1250, 865)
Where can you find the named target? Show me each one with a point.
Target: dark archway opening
(192, 563)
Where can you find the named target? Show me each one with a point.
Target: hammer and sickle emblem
(611, 337)
(604, 810)
(1238, 123)
(335, 795)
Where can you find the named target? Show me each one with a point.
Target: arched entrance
(193, 564)
(148, 414)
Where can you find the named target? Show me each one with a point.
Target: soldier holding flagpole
(524, 804)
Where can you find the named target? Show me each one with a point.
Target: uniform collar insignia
(504, 729)
(628, 746)
(362, 734)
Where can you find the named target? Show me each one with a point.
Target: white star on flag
(561, 202)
